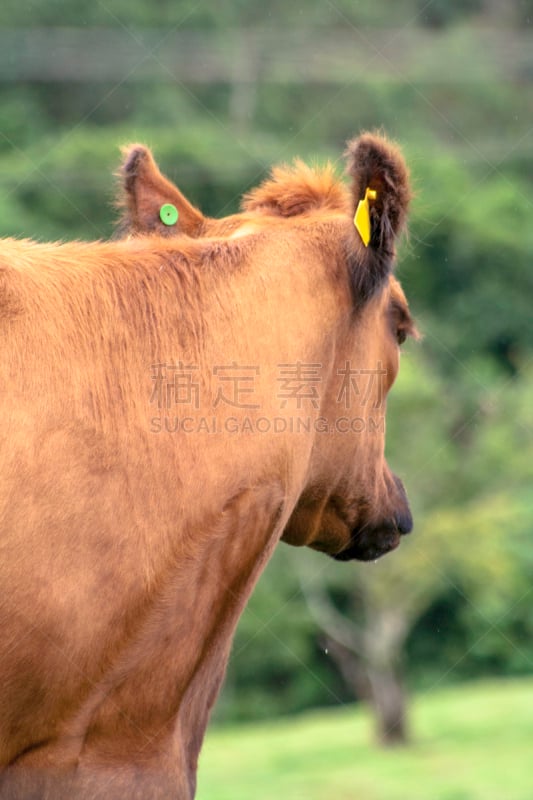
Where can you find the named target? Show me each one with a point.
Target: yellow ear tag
(362, 216)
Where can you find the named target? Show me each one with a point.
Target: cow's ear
(144, 192)
(381, 196)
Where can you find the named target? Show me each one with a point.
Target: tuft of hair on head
(143, 190)
(296, 189)
(374, 162)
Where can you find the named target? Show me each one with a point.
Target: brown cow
(157, 444)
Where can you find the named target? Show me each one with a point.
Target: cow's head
(352, 506)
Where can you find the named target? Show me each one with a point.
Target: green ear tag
(168, 214)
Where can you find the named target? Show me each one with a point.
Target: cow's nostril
(404, 522)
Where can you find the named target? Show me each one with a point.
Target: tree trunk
(352, 669)
(390, 703)
(369, 658)
(381, 686)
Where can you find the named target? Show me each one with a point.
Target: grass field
(474, 742)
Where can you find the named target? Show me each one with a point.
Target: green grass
(473, 742)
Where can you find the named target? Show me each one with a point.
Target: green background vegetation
(473, 743)
(220, 93)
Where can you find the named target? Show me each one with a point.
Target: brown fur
(297, 189)
(127, 551)
(291, 191)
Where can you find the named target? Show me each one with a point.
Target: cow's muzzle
(373, 540)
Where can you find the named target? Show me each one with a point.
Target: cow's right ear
(381, 195)
(144, 191)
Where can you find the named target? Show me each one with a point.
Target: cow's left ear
(149, 202)
(381, 196)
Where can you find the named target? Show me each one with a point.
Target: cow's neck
(250, 527)
(153, 704)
